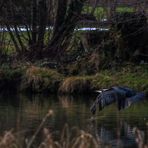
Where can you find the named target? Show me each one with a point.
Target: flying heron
(124, 96)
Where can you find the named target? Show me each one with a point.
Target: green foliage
(101, 13)
(124, 9)
(98, 13)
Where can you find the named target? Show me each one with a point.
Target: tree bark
(64, 28)
(2, 4)
(42, 23)
(60, 15)
(94, 7)
(34, 22)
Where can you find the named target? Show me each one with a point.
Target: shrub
(41, 80)
(78, 84)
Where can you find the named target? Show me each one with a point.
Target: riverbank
(134, 77)
(35, 79)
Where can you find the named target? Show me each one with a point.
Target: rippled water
(127, 128)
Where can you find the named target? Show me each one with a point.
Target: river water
(24, 113)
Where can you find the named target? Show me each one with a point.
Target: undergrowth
(76, 85)
(38, 79)
(44, 80)
(134, 77)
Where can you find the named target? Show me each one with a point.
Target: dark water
(127, 128)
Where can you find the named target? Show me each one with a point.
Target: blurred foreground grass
(69, 138)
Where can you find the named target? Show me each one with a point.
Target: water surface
(23, 114)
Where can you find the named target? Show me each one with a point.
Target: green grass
(9, 47)
(124, 9)
(135, 78)
(100, 12)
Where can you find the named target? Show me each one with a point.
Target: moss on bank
(41, 80)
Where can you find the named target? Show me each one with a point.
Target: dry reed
(69, 138)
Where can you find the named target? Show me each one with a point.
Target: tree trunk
(64, 28)
(60, 15)
(2, 4)
(34, 22)
(42, 23)
(94, 7)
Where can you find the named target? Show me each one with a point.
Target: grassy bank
(134, 77)
(38, 80)
(41, 80)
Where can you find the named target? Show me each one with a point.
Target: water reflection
(122, 135)
(112, 128)
(140, 138)
(66, 101)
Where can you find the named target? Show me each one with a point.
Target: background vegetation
(44, 42)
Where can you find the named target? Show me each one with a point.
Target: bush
(76, 85)
(41, 80)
